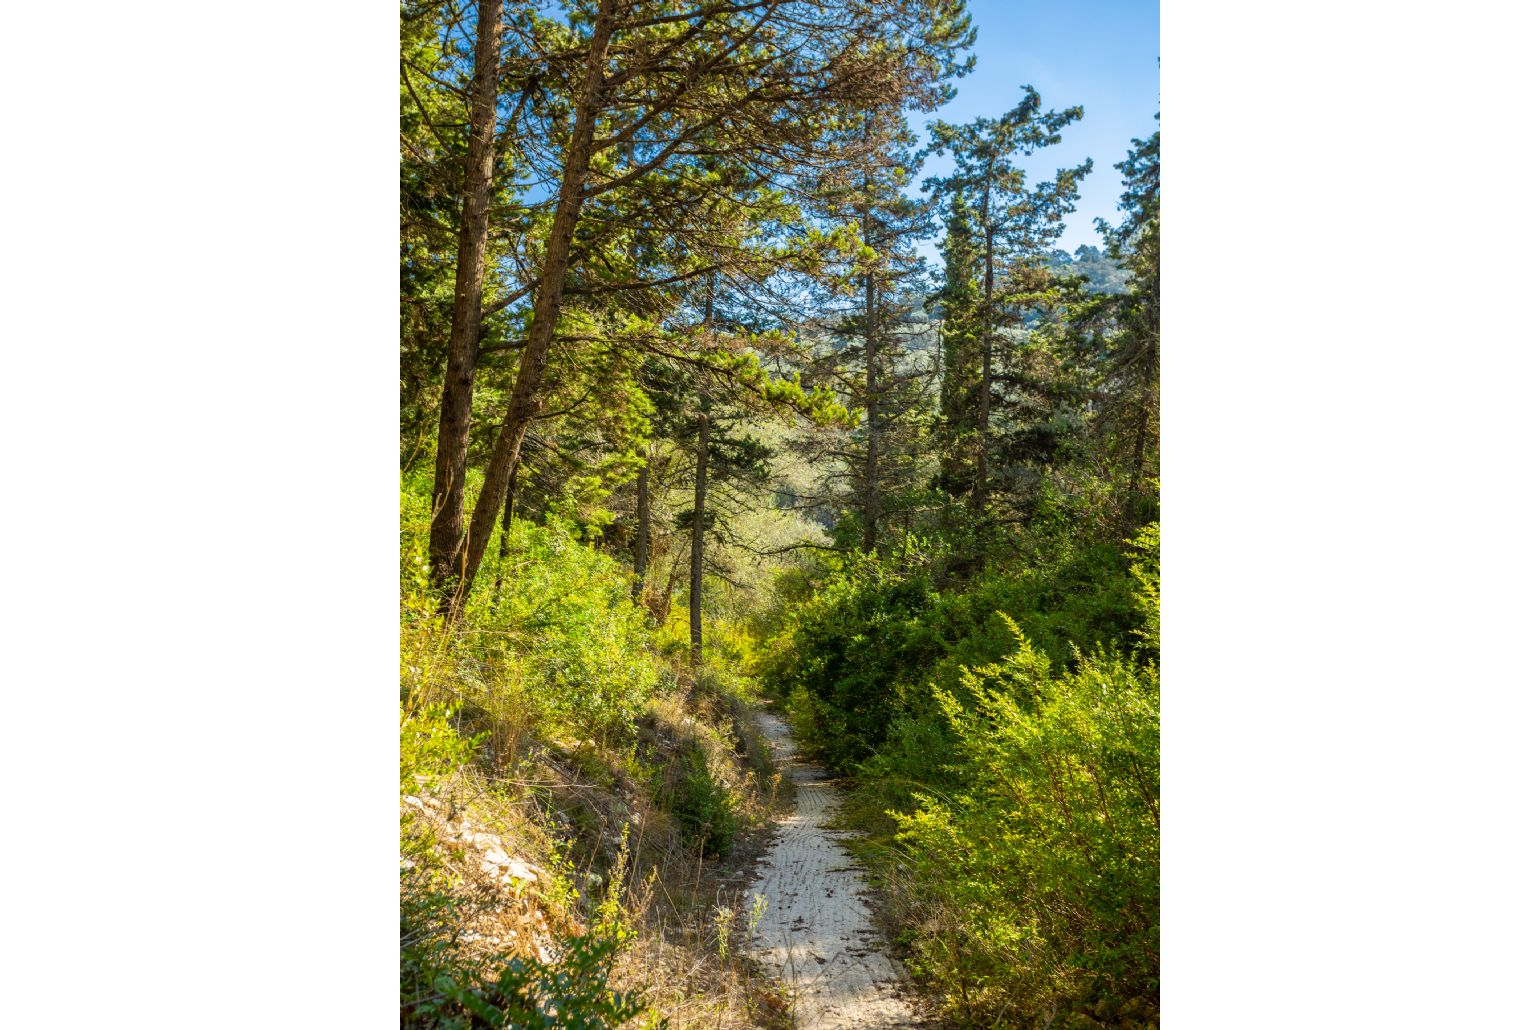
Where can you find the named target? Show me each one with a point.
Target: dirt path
(817, 934)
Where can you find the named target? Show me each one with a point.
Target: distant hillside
(1103, 275)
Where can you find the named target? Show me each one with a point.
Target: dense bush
(703, 807)
(1004, 737)
(840, 659)
(856, 656)
(1042, 873)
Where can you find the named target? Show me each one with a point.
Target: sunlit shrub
(1043, 871)
(860, 652)
(548, 639)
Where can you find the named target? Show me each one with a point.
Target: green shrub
(841, 656)
(549, 639)
(858, 653)
(704, 808)
(1146, 570)
(1043, 871)
(430, 744)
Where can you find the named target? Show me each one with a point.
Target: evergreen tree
(684, 87)
(1015, 221)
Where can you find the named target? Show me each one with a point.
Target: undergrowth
(1002, 738)
(575, 800)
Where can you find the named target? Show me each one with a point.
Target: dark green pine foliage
(957, 304)
(1129, 406)
(1017, 223)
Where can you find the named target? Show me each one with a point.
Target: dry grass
(531, 838)
(483, 849)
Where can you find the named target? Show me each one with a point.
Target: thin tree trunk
(1136, 469)
(524, 402)
(665, 604)
(698, 523)
(869, 491)
(869, 506)
(643, 533)
(454, 427)
(698, 535)
(502, 546)
(643, 546)
(1148, 367)
(981, 480)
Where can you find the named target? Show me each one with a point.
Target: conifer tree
(682, 86)
(1015, 220)
(1131, 383)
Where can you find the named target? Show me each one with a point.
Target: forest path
(818, 935)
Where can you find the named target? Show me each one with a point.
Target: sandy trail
(817, 934)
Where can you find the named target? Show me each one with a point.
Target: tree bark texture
(698, 535)
(981, 481)
(524, 402)
(643, 545)
(445, 536)
(872, 497)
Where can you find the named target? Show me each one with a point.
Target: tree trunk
(698, 523)
(643, 533)
(1148, 368)
(869, 487)
(524, 402)
(698, 535)
(869, 505)
(454, 425)
(665, 604)
(981, 480)
(502, 545)
(643, 546)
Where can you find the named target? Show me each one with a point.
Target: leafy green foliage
(1007, 751)
(550, 639)
(430, 745)
(704, 807)
(857, 653)
(1146, 569)
(1045, 867)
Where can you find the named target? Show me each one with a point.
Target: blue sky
(1100, 54)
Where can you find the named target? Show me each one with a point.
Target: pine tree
(682, 86)
(1015, 220)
